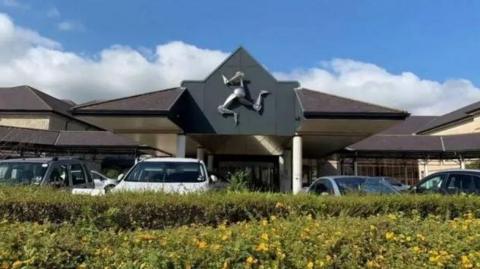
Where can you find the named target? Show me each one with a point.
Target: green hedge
(156, 210)
(388, 241)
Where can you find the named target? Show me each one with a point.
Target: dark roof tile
(156, 101)
(315, 103)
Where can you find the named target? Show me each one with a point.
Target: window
(432, 184)
(458, 183)
(22, 172)
(58, 176)
(78, 176)
(165, 172)
(322, 186)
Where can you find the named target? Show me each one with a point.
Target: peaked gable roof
(26, 98)
(156, 102)
(318, 104)
(454, 116)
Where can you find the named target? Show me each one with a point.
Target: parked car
(57, 172)
(103, 182)
(450, 182)
(341, 185)
(399, 186)
(166, 174)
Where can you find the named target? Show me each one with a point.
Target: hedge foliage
(157, 210)
(387, 241)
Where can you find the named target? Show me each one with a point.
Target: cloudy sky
(421, 57)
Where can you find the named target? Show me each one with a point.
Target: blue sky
(435, 40)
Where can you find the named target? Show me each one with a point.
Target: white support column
(210, 162)
(201, 154)
(181, 145)
(297, 158)
(462, 162)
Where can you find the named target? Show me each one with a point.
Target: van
(180, 175)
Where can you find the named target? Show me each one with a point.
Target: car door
(78, 176)
(459, 183)
(432, 184)
(58, 176)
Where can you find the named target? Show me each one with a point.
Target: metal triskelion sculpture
(239, 94)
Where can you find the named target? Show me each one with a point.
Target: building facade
(241, 118)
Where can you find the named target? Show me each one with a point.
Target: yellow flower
(262, 247)
(251, 260)
(264, 236)
(310, 265)
(392, 217)
(466, 263)
(202, 244)
(17, 264)
(390, 235)
(264, 222)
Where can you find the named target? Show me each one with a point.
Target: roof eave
(355, 115)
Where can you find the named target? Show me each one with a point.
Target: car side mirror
(119, 177)
(213, 178)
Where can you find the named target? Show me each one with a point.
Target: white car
(179, 175)
(103, 182)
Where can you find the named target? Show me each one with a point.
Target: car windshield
(363, 185)
(22, 172)
(165, 172)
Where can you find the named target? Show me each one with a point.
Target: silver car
(342, 185)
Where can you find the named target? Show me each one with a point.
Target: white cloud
(28, 58)
(53, 12)
(14, 3)
(68, 26)
(371, 83)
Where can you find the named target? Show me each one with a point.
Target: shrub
(238, 182)
(389, 241)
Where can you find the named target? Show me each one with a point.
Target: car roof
(168, 159)
(41, 160)
(457, 171)
(337, 177)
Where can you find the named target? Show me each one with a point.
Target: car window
(22, 172)
(322, 186)
(78, 175)
(476, 184)
(165, 172)
(458, 183)
(58, 176)
(432, 184)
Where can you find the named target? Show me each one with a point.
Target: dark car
(58, 172)
(450, 182)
